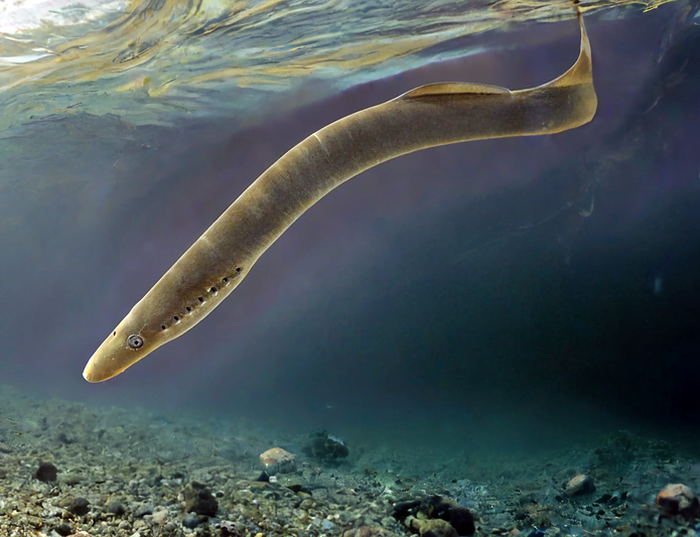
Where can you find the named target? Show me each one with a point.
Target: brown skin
(432, 115)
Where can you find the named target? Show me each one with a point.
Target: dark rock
(116, 509)
(199, 500)
(462, 520)
(191, 520)
(299, 488)
(143, 510)
(403, 509)
(79, 507)
(3, 473)
(436, 507)
(46, 472)
(459, 517)
(64, 529)
(605, 498)
(326, 447)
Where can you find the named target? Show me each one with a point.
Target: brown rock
(199, 500)
(579, 485)
(676, 499)
(433, 527)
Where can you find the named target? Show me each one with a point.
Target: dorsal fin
(451, 88)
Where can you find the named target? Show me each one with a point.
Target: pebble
(326, 447)
(277, 460)
(433, 527)
(64, 529)
(191, 520)
(579, 485)
(46, 472)
(116, 509)
(200, 500)
(79, 506)
(143, 510)
(159, 516)
(677, 498)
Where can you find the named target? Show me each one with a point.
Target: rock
(64, 529)
(116, 509)
(159, 516)
(677, 499)
(437, 507)
(79, 506)
(326, 447)
(369, 531)
(46, 472)
(191, 520)
(579, 485)
(199, 500)
(459, 517)
(432, 527)
(73, 479)
(3, 473)
(143, 510)
(277, 460)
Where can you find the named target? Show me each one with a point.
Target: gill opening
(201, 299)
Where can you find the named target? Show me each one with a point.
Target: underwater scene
(478, 308)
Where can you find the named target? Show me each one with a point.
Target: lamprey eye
(135, 341)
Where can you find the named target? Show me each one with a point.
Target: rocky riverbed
(69, 469)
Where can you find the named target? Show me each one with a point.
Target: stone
(277, 460)
(326, 447)
(79, 506)
(143, 510)
(159, 516)
(579, 485)
(64, 529)
(677, 498)
(46, 472)
(432, 527)
(437, 507)
(459, 517)
(73, 479)
(199, 500)
(116, 508)
(191, 520)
